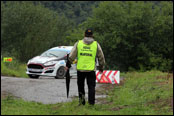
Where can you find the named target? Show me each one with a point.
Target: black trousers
(91, 82)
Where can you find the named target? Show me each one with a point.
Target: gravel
(46, 90)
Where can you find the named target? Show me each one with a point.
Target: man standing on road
(86, 51)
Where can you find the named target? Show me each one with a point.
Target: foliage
(134, 35)
(77, 11)
(28, 29)
(14, 69)
(152, 89)
(16, 106)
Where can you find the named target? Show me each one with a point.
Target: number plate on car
(35, 70)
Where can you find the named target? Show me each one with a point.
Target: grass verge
(148, 93)
(14, 68)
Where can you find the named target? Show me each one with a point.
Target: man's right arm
(101, 58)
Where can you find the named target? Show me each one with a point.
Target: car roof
(62, 48)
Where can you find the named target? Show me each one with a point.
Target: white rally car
(51, 63)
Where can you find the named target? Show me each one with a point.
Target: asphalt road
(46, 90)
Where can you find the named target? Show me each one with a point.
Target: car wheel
(60, 73)
(34, 76)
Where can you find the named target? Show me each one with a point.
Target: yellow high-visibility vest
(86, 55)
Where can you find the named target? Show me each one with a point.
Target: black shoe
(91, 104)
(80, 104)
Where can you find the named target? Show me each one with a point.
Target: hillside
(77, 11)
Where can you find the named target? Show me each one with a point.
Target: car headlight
(50, 63)
(28, 62)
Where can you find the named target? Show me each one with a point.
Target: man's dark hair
(89, 33)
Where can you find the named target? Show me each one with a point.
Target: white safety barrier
(108, 76)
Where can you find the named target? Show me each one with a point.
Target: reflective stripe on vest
(86, 55)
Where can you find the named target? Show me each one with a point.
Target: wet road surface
(46, 90)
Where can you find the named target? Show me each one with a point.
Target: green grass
(148, 93)
(13, 68)
(141, 90)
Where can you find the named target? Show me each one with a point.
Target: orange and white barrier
(108, 76)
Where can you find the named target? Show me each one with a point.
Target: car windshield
(56, 53)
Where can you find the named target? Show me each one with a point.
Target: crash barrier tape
(108, 76)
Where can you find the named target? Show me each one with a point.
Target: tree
(134, 35)
(30, 29)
